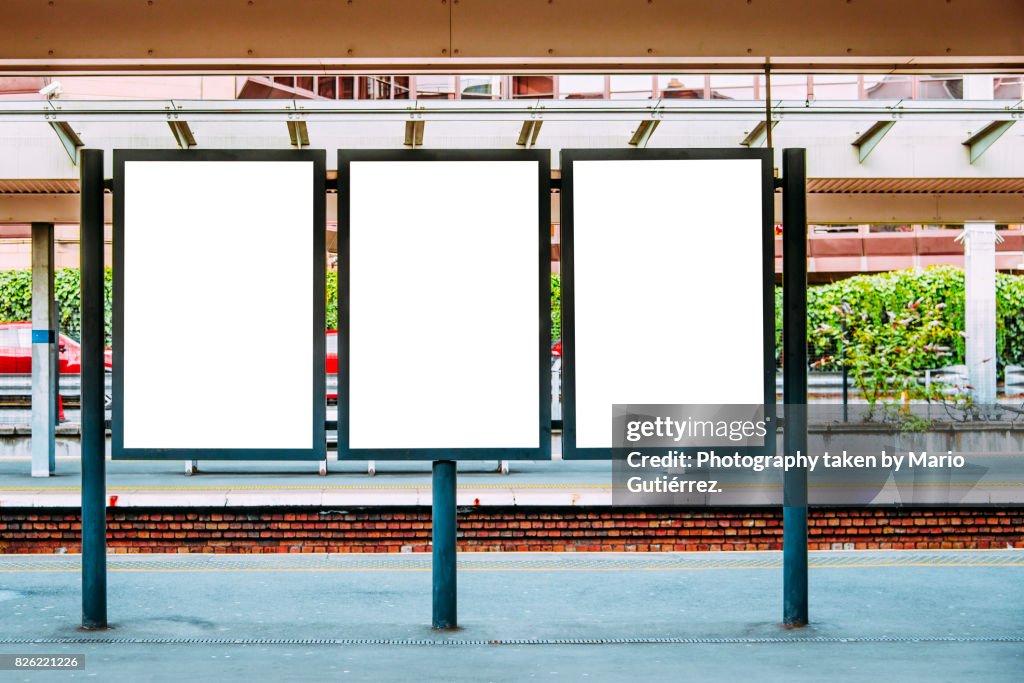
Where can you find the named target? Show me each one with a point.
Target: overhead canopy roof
(920, 172)
(393, 36)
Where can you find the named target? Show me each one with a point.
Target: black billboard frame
(318, 451)
(568, 285)
(543, 159)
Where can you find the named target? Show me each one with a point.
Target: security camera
(51, 90)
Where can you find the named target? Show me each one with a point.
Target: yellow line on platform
(506, 569)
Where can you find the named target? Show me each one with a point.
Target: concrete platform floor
(876, 616)
(152, 483)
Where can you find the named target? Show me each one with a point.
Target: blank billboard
(445, 257)
(667, 273)
(219, 305)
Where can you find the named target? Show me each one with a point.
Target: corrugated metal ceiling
(915, 185)
(814, 185)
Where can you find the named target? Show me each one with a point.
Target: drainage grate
(460, 642)
(515, 561)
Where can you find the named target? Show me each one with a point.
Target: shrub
(874, 299)
(16, 299)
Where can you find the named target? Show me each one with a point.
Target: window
(784, 87)
(835, 86)
(940, 87)
(374, 87)
(683, 87)
(346, 87)
(1009, 87)
(542, 87)
(581, 87)
(327, 86)
(631, 87)
(400, 87)
(479, 87)
(435, 87)
(732, 87)
(888, 87)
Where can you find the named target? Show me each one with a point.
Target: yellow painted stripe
(509, 569)
(268, 487)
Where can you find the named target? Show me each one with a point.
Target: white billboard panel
(668, 286)
(446, 325)
(217, 307)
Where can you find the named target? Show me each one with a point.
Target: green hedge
(332, 299)
(871, 297)
(875, 299)
(16, 299)
(556, 308)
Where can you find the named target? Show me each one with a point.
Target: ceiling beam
(195, 111)
(870, 138)
(528, 133)
(69, 138)
(980, 142)
(757, 136)
(644, 131)
(414, 133)
(298, 134)
(821, 207)
(182, 134)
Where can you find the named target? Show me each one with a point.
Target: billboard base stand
(443, 536)
(503, 467)
(191, 467)
(323, 468)
(371, 468)
(794, 384)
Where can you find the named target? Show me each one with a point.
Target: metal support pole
(846, 369)
(44, 401)
(794, 326)
(94, 510)
(444, 527)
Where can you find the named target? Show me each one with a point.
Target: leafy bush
(556, 307)
(875, 300)
(884, 359)
(332, 299)
(1010, 314)
(16, 299)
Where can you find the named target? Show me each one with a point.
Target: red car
(332, 361)
(16, 351)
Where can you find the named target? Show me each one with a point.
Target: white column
(980, 310)
(44, 397)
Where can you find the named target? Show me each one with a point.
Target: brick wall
(377, 530)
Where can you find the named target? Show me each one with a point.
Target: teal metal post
(94, 504)
(444, 526)
(794, 328)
